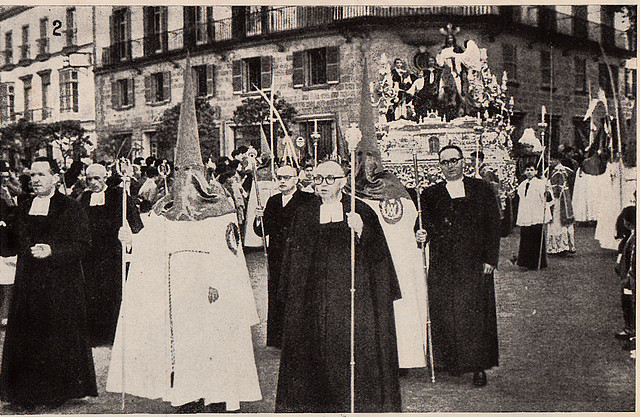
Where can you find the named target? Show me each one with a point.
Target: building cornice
(13, 11)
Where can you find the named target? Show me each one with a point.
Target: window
(250, 74)
(157, 88)
(545, 67)
(122, 93)
(45, 78)
(434, 144)
(7, 103)
(24, 48)
(43, 41)
(580, 24)
(198, 25)
(69, 91)
(27, 97)
(604, 78)
(120, 23)
(8, 48)
(203, 79)
(204, 24)
(580, 71)
(630, 83)
(156, 36)
(509, 61)
(70, 33)
(327, 144)
(553, 130)
(315, 67)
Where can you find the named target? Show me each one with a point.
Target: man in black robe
(46, 358)
(276, 218)
(315, 281)
(462, 221)
(103, 264)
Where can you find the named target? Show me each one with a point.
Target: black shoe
(193, 407)
(216, 408)
(479, 379)
(626, 334)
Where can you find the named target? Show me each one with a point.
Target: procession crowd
(66, 229)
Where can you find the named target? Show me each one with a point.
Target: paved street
(557, 350)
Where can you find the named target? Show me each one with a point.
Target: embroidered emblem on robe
(391, 210)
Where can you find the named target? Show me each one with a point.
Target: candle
(544, 112)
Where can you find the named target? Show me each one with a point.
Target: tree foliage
(26, 138)
(209, 132)
(255, 110)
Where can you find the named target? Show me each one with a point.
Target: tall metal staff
(255, 186)
(124, 168)
(424, 266)
(543, 127)
(353, 135)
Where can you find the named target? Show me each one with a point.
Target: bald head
(96, 177)
(330, 168)
(286, 170)
(329, 179)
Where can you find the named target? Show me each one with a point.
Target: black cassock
(276, 221)
(316, 280)
(103, 263)
(464, 234)
(46, 358)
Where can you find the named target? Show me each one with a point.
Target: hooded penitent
(397, 214)
(192, 197)
(187, 307)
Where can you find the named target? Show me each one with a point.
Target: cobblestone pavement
(557, 350)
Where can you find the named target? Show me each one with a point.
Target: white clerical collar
(456, 188)
(331, 212)
(97, 199)
(40, 205)
(286, 199)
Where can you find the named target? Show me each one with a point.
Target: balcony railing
(31, 115)
(280, 19)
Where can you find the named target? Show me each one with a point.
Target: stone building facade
(313, 57)
(46, 65)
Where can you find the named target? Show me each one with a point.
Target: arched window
(434, 144)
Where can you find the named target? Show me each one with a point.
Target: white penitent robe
(616, 194)
(186, 316)
(411, 310)
(266, 189)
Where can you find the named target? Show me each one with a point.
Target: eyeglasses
(284, 177)
(329, 179)
(450, 162)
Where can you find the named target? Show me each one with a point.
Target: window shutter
(210, 79)
(333, 65)
(237, 69)
(165, 28)
(3, 102)
(189, 15)
(211, 28)
(148, 85)
(112, 30)
(130, 92)
(166, 84)
(298, 69)
(127, 38)
(147, 22)
(265, 70)
(115, 95)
